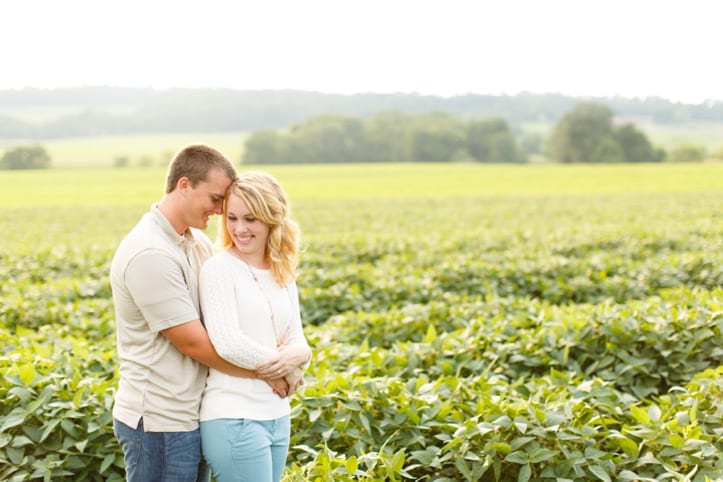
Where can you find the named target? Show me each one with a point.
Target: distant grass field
(147, 150)
(125, 186)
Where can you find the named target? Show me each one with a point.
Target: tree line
(587, 133)
(385, 137)
(93, 111)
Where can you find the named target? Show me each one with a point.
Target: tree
(434, 138)
(387, 137)
(585, 134)
(328, 138)
(687, 153)
(263, 147)
(635, 145)
(491, 140)
(121, 161)
(25, 157)
(384, 133)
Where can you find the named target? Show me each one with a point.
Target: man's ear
(183, 183)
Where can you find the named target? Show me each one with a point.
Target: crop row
(490, 387)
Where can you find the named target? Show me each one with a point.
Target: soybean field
(468, 322)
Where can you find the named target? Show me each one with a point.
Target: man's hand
(281, 387)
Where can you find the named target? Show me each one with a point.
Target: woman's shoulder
(220, 261)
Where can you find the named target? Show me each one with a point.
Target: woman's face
(247, 233)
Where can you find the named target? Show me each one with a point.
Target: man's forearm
(192, 340)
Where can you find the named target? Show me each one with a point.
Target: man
(163, 347)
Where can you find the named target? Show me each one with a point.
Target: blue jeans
(240, 450)
(161, 456)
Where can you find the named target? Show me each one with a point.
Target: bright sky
(631, 48)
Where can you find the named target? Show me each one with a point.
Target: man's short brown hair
(195, 161)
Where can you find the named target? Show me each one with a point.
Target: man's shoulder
(144, 238)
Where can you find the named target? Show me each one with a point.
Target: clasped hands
(283, 371)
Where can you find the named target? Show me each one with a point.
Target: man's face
(206, 199)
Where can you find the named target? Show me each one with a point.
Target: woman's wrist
(306, 361)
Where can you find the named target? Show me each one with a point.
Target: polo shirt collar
(179, 240)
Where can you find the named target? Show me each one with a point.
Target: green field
(141, 150)
(141, 186)
(468, 322)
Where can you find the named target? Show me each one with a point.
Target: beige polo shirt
(154, 279)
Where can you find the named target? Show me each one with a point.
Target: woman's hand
(295, 379)
(284, 362)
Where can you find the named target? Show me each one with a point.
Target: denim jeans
(241, 450)
(161, 456)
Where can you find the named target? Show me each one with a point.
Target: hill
(41, 114)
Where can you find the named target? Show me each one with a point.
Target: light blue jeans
(241, 450)
(161, 456)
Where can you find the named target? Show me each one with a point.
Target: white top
(236, 314)
(154, 279)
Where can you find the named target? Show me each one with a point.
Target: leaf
(626, 445)
(364, 419)
(640, 415)
(107, 461)
(398, 460)
(654, 413)
(27, 373)
(431, 334)
(521, 426)
(49, 429)
(600, 473)
(503, 421)
(525, 473)
(676, 441)
(352, 464)
(520, 442)
(517, 457)
(21, 441)
(14, 418)
(15, 455)
(314, 414)
(502, 447)
(628, 475)
(81, 445)
(541, 455)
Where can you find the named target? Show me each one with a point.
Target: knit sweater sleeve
(218, 308)
(296, 331)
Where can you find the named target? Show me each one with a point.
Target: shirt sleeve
(296, 331)
(156, 283)
(218, 305)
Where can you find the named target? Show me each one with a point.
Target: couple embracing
(210, 344)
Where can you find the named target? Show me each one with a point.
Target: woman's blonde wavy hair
(268, 202)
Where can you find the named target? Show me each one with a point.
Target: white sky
(631, 48)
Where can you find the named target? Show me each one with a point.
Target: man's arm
(192, 340)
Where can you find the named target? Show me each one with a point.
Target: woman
(250, 307)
